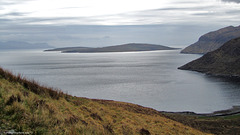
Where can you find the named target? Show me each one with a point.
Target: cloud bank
(108, 22)
(236, 1)
(107, 12)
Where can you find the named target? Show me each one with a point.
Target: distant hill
(224, 61)
(65, 49)
(118, 48)
(213, 40)
(23, 45)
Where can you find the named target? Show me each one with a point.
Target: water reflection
(147, 78)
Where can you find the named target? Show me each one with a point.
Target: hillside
(23, 45)
(27, 107)
(213, 40)
(224, 61)
(118, 48)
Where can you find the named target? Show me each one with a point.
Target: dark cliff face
(224, 61)
(213, 40)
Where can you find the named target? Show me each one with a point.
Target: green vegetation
(26, 106)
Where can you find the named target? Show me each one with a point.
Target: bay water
(150, 79)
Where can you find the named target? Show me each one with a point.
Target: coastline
(226, 112)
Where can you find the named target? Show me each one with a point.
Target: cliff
(224, 61)
(213, 40)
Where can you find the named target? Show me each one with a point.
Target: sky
(107, 22)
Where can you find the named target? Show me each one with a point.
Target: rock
(224, 61)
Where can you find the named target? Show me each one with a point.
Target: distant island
(23, 45)
(213, 40)
(224, 61)
(131, 47)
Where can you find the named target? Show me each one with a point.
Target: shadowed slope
(224, 61)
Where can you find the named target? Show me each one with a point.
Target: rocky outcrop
(224, 61)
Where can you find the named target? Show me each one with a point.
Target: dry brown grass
(27, 106)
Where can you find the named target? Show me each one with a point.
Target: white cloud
(119, 12)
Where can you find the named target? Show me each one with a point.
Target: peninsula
(224, 61)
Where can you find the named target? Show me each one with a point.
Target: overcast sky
(106, 22)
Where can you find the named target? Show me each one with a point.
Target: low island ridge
(131, 47)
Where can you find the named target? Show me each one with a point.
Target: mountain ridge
(23, 45)
(213, 40)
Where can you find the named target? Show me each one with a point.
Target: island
(212, 40)
(131, 47)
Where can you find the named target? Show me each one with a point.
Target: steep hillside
(224, 61)
(213, 40)
(27, 107)
(118, 48)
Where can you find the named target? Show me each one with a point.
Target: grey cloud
(183, 9)
(5, 3)
(170, 14)
(10, 2)
(188, 15)
(234, 12)
(175, 26)
(93, 36)
(206, 14)
(44, 20)
(16, 14)
(236, 1)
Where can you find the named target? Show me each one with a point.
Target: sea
(149, 79)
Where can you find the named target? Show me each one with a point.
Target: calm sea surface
(149, 79)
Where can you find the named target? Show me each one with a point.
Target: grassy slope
(26, 106)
